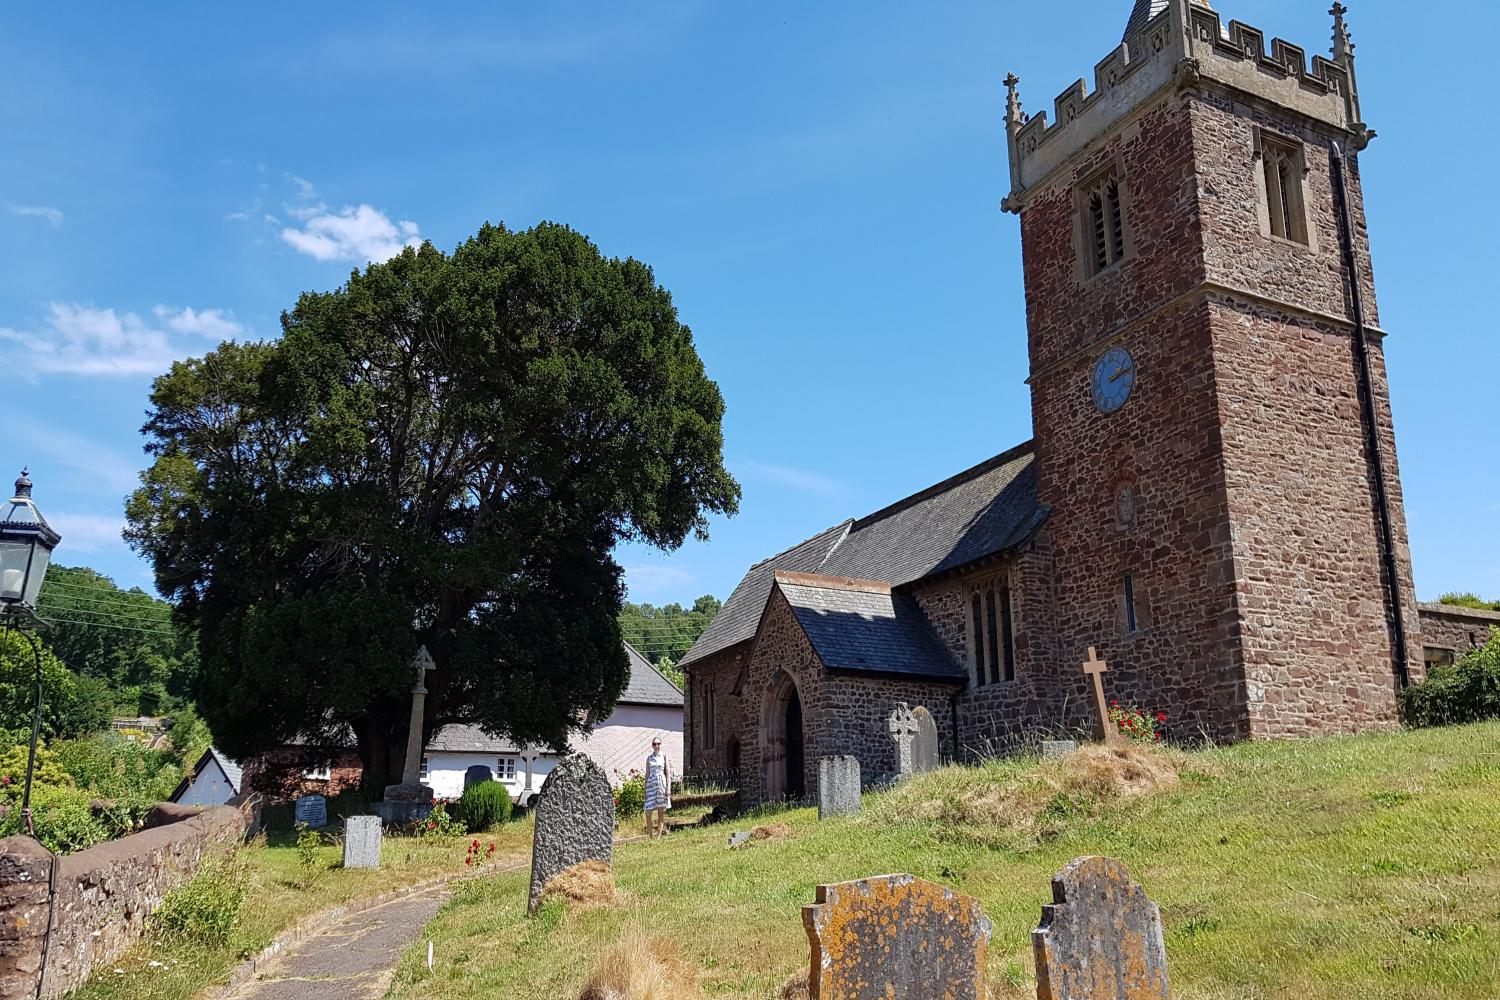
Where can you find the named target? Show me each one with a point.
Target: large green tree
(444, 451)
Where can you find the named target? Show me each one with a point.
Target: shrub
(1136, 724)
(1468, 691)
(308, 843)
(630, 797)
(442, 821)
(48, 771)
(65, 821)
(484, 804)
(205, 910)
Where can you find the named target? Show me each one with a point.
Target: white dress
(658, 790)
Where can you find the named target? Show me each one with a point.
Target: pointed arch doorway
(783, 743)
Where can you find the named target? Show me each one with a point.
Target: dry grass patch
(583, 887)
(642, 968)
(772, 831)
(1033, 799)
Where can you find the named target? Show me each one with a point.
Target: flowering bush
(1136, 724)
(630, 793)
(476, 856)
(439, 823)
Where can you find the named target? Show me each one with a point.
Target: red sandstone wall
(280, 777)
(1457, 629)
(721, 674)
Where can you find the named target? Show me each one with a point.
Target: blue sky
(818, 185)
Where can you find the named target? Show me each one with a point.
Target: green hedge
(484, 805)
(1468, 691)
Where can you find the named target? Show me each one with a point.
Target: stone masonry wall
(104, 896)
(280, 775)
(720, 674)
(842, 713)
(1458, 629)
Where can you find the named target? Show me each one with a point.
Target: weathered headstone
(895, 936)
(478, 774)
(903, 726)
(739, 838)
(838, 786)
(575, 822)
(312, 811)
(362, 842)
(1055, 749)
(1100, 938)
(925, 753)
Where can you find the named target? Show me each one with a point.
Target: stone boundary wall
(104, 894)
(1447, 626)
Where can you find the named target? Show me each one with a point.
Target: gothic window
(708, 717)
(1132, 624)
(1103, 222)
(1282, 169)
(992, 647)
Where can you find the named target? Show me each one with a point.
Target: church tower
(1213, 429)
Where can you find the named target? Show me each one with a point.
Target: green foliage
(630, 795)
(1467, 600)
(120, 770)
(453, 440)
(672, 672)
(443, 821)
(65, 820)
(148, 664)
(1137, 724)
(309, 844)
(71, 705)
(205, 910)
(48, 770)
(484, 805)
(668, 632)
(1468, 691)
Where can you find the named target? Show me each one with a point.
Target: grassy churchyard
(280, 884)
(1358, 867)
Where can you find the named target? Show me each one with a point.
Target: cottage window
(318, 773)
(992, 644)
(423, 773)
(1282, 168)
(1102, 222)
(505, 769)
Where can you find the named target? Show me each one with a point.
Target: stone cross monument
(411, 799)
(903, 727)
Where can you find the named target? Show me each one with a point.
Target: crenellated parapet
(1186, 45)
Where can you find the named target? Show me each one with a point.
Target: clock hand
(1117, 375)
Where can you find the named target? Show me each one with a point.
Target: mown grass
(281, 889)
(1362, 867)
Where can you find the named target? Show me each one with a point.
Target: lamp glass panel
(14, 555)
(38, 571)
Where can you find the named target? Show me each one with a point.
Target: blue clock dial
(1113, 379)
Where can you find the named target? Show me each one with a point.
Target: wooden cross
(1095, 668)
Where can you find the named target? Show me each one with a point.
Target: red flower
(1115, 704)
(1161, 716)
(1158, 737)
(469, 860)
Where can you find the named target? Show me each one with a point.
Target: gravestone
(575, 822)
(477, 775)
(903, 727)
(1100, 937)
(895, 936)
(1057, 749)
(312, 812)
(838, 786)
(739, 838)
(925, 754)
(362, 842)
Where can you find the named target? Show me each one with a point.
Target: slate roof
(456, 738)
(647, 686)
(1143, 13)
(979, 512)
(855, 626)
(231, 768)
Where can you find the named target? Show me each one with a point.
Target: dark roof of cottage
(647, 686)
(862, 626)
(457, 738)
(979, 512)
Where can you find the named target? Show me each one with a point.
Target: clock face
(1113, 380)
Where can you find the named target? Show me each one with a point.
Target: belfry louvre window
(992, 646)
(1103, 222)
(1283, 170)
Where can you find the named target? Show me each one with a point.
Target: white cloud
(87, 532)
(361, 234)
(52, 215)
(101, 467)
(76, 339)
(216, 324)
(797, 479)
(651, 580)
(304, 186)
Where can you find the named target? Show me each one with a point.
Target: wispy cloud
(648, 580)
(76, 339)
(49, 446)
(359, 233)
(87, 532)
(796, 479)
(53, 215)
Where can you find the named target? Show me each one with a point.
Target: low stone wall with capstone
(104, 894)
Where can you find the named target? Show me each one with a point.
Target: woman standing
(658, 790)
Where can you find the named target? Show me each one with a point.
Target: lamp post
(26, 544)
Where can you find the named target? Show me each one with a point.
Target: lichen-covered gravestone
(1100, 938)
(895, 937)
(1058, 749)
(926, 755)
(362, 842)
(575, 822)
(477, 774)
(838, 786)
(903, 728)
(312, 812)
